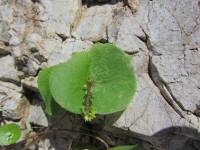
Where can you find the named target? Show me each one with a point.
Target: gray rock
(4, 50)
(37, 116)
(32, 39)
(67, 48)
(7, 68)
(125, 30)
(30, 83)
(167, 74)
(18, 29)
(12, 103)
(93, 23)
(54, 143)
(32, 67)
(133, 4)
(6, 12)
(4, 34)
(45, 144)
(162, 37)
(61, 16)
(50, 45)
(178, 52)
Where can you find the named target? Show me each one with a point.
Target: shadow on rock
(90, 3)
(177, 138)
(172, 138)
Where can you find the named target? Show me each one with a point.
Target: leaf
(100, 81)
(52, 108)
(67, 81)
(114, 79)
(9, 134)
(128, 147)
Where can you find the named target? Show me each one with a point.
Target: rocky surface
(12, 103)
(7, 68)
(167, 94)
(162, 37)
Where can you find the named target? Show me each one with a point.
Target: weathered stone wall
(161, 36)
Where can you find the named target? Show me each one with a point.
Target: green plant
(98, 81)
(9, 134)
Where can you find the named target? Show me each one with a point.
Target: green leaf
(100, 81)
(114, 79)
(9, 134)
(52, 108)
(67, 81)
(128, 147)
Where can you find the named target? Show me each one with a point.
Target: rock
(49, 45)
(175, 47)
(6, 12)
(32, 67)
(18, 29)
(61, 16)
(133, 4)
(37, 116)
(4, 50)
(12, 103)
(124, 30)
(7, 68)
(4, 34)
(93, 23)
(161, 37)
(67, 48)
(32, 39)
(45, 144)
(54, 143)
(167, 74)
(30, 83)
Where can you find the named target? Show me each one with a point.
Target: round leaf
(52, 108)
(9, 134)
(67, 81)
(106, 73)
(114, 79)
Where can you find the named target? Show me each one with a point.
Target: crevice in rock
(163, 87)
(32, 96)
(126, 4)
(197, 111)
(10, 81)
(131, 53)
(4, 49)
(159, 82)
(35, 1)
(37, 57)
(76, 21)
(40, 58)
(62, 36)
(3, 53)
(128, 137)
(101, 41)
(21, 62)
(107, 36)
(25, 63)
(148, 44)
(90, 3)
(4, 118)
